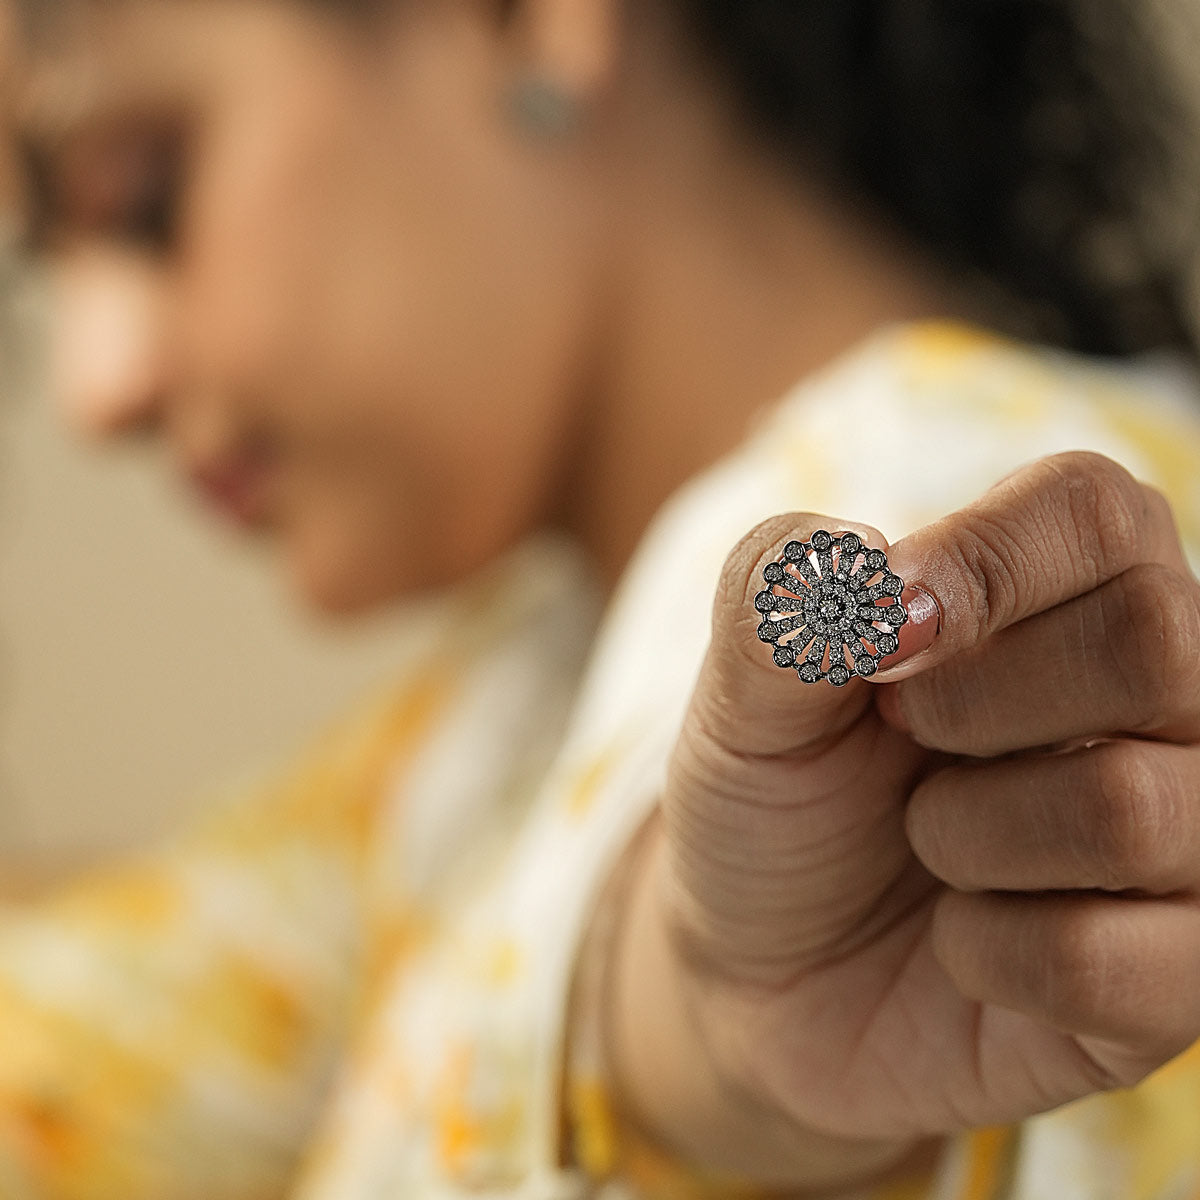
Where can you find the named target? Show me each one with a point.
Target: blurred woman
(544, 306)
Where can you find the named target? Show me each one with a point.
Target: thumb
(783, 805)
(799, 582)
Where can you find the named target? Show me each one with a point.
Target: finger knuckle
(1130, 816)
(1157, 643)
(990, 558)
(1101, 506)
(1082, 969)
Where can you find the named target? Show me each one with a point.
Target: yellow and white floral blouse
(352, 983)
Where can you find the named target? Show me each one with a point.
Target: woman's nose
(106, 343)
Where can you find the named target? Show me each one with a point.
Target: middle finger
(1114, 816)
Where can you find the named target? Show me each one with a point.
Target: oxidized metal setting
(821, 591)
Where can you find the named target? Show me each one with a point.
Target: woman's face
(326, 266)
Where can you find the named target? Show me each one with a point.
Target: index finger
(1052, 530)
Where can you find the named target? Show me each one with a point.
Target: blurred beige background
(147, 654)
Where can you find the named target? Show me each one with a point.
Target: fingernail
(917, 634)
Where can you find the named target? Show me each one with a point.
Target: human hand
(922, 903)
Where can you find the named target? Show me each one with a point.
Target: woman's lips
(236, 486)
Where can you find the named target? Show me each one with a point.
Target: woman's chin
(341, 596)
(344, 585)
(340, 576)
(337, 587)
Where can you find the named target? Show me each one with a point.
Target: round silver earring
(544, 108)
(828, 595)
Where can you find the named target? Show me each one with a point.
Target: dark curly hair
(1029, 142)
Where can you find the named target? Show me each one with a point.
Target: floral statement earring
(830, 599)
(543, 108)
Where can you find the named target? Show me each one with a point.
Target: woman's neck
(736, 283)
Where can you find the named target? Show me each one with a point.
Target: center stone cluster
(829, 605)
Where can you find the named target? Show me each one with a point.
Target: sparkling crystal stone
(774, 572)
(865, 665)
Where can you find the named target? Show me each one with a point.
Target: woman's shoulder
(922, 418)
(960, 375)
(940, 363)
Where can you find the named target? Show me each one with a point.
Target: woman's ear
(572, 44)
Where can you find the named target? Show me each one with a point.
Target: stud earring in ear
(544, 108)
